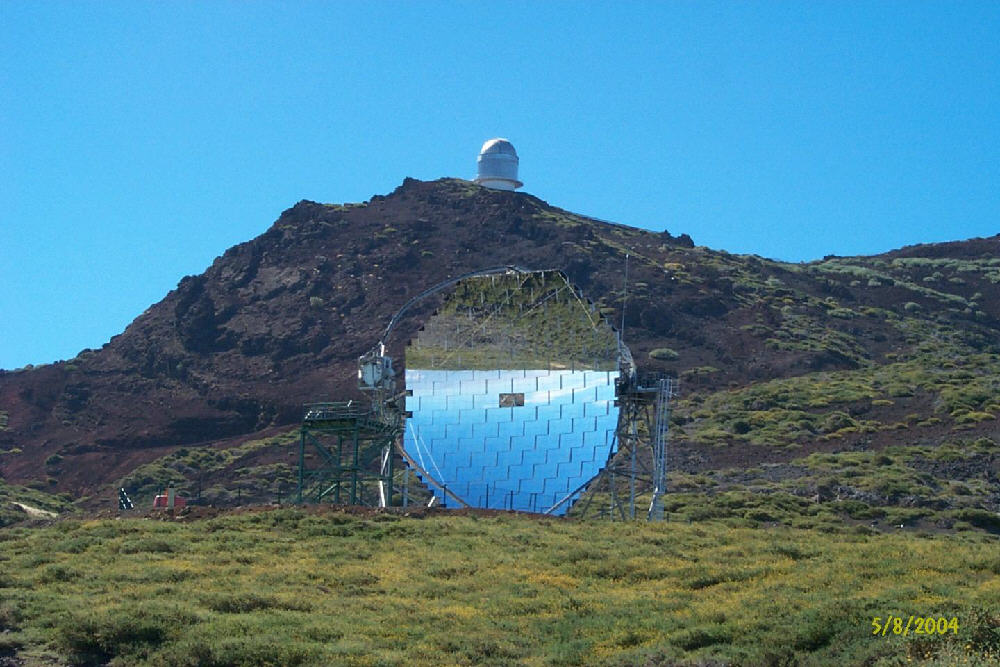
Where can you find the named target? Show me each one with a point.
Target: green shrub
(10, 617)
(251, 651)
(984, 631)
(859, 510)
(741, 426)
(837, 421)
(95, 637)
(148, 545)
(980, 518)
(663, 354)
(973, 417)
(247, 601)
(701, 637)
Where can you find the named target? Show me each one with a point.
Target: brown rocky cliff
(280, 320)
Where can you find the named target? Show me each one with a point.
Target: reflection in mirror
(511, 392)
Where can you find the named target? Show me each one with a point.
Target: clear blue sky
(140, 140)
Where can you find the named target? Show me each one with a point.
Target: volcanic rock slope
(775, 360)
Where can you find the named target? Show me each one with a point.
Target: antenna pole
(624, 299)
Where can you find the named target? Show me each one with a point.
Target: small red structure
(168, 500)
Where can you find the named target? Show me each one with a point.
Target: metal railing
(335, 411)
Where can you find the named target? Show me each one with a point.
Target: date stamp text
(917, 625)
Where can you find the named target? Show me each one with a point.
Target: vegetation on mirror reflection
(296, 587)
(516, 321)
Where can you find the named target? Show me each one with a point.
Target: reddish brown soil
(278, 321)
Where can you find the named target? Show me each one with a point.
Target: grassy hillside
(776, 361)
(834, 456)
(18, 503)
(288, 586)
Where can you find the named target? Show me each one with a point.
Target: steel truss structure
(641, 456)
(348, 452)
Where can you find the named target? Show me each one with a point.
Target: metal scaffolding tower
(350, 453)
(641, 456)
(664, 389)
(346, 455)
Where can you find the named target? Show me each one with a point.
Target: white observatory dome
(497, 165)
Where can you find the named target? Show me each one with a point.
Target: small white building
(497, 165)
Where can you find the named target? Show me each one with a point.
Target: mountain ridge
(232, 353)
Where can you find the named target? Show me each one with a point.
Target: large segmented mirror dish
(511, 394)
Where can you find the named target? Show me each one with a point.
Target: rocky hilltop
(780, 364)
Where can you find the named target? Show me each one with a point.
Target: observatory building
(497, 165)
